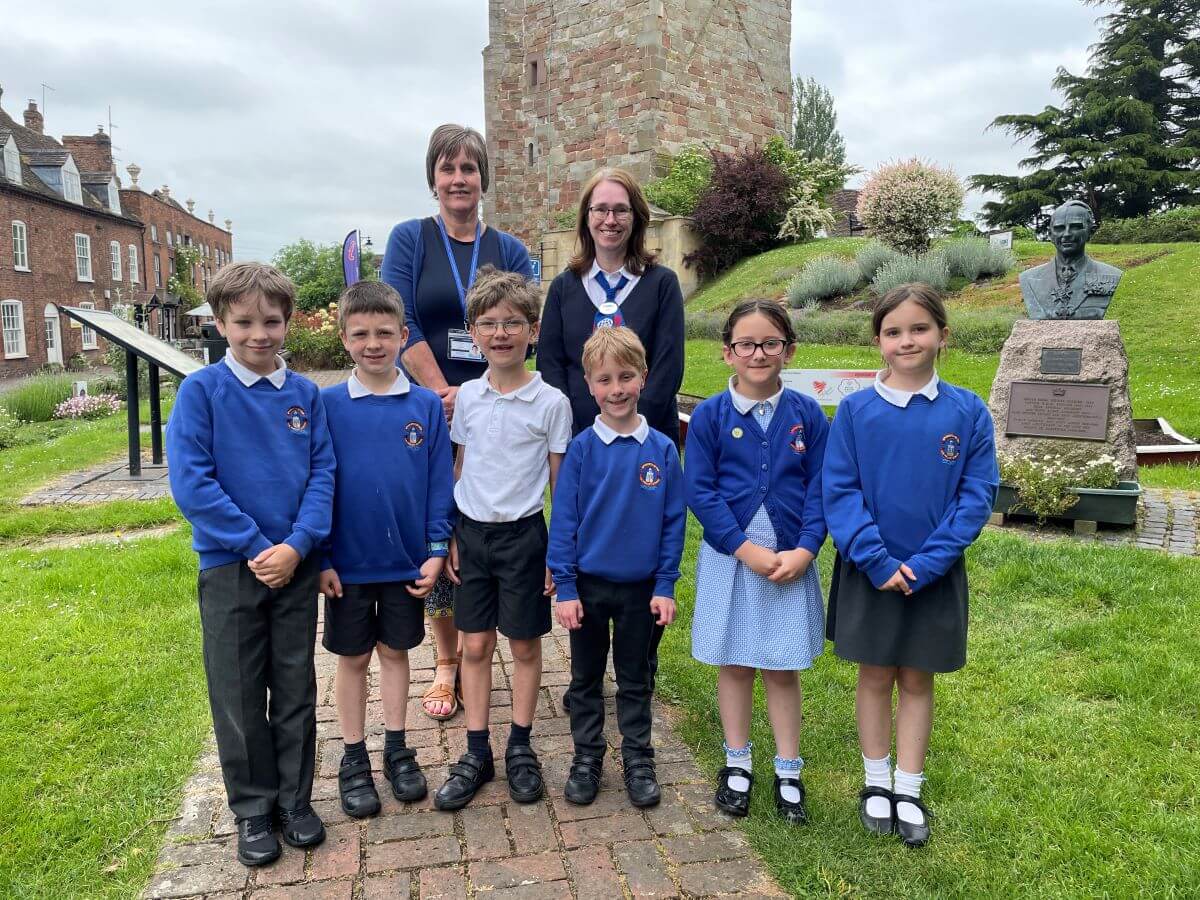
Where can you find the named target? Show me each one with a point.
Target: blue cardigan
(732, 468)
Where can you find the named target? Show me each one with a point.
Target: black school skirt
(926, 630)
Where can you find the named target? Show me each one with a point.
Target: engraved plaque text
(1051, 409)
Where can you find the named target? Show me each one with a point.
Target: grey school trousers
(262, 687)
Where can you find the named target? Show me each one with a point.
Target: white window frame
(88, 337)
(20, 236)
(114, 252)
(10, 309)
(154, 233)
(114, 199)
(83, 255)
(12, 161)
(133, 264)
(72, 187)
(170, 239)
(157, 271)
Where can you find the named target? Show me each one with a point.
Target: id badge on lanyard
(608, 315)
(460, 346)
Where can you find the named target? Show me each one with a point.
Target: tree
(815, 133)
(1127, 138)
(316, 270)
(679, 190)
(904, 203)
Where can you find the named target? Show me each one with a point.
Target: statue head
(1071, 227)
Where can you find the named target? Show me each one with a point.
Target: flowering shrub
(8, 428)
(96, 406)
(314, 342)
(904, 203)
(1045, 476)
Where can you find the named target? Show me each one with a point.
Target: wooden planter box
(1112, 506)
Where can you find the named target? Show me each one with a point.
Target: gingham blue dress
(744, 619)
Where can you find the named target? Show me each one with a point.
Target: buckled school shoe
(584, 781)
(793, 813)
(736, 803)
(466, 777)
(301, 827)
(403, 772)
(257, 844)
(877, 824)
(641, 781)
(913, 835)
(356, 789)
(524, 774)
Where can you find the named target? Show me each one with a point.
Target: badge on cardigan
(649, 475)
(737, 432)
(414, 434)
(950, 447)
(796, 441)
(297, 419)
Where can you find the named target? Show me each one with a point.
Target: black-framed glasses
(769, 347)
(487, 327)
(600, 213)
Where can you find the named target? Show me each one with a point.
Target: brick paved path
(495, 848)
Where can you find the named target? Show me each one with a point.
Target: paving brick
(705, 878)
(339, 855)
(407, 827)
(516, 871)
(553, 890)
(670, 817)
(443, 884)
(412, 854)
(486, 836)
(708, 846)
(621, 827)
(531, 827)
(195, 819)
(644, 870)
(608, 802)
(387, 887)
(323, 890)
(288, 869)
(594, 874)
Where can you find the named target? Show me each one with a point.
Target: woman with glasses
(614, 280)
(432, 263)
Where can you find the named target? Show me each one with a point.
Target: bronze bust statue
(1072, 285)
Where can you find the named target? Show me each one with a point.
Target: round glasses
(769, 347)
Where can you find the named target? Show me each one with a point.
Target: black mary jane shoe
(913, 835)
(877, 824)
(466, 777)
(793, 813)
(301, 827)
(356, 789)
(257, 844)
(641, 781)
(524, 774)
(584, 781)
(403, 772)
(736, 803)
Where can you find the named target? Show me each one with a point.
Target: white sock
(739, 759)
(910, 784)
(878, 774)
(789, 768)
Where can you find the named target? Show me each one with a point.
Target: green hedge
(1182, 224)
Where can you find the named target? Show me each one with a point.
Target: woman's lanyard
(462, 292)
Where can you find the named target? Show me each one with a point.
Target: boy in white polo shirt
(513, 430)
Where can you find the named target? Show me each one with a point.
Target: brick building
(573, 86)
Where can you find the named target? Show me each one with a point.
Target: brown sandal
(440, 692)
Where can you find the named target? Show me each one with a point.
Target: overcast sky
(310, 118)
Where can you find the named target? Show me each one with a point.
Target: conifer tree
(815, 133)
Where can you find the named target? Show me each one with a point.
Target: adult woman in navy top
(614, 280)
(432, 262)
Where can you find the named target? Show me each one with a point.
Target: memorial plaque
(1053, 409)
(1061, 360)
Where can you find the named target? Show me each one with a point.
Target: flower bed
(314, 342)
(94, 407)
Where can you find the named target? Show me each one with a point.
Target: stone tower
(572, 85)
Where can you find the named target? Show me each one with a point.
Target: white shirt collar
(596, 293)
(527, 391)
(249, 378)
(610, 278)
(900, 398)
(607, 435)
(744, 404)
(357, 389)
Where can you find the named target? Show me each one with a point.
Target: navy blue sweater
(733, 468)
(395, 484)
(618, 513)
(909, 485)
(250, 467)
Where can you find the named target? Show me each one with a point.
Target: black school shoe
(584, 781)
(641, 781)
(257, 844)
(736, 803)
(301, 827)
(466, 777)
(877, 824)
(793, 813)
(403, 772)
(356, 789)
(912, 835)
(524, 774)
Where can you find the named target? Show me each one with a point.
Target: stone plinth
(1102, 360)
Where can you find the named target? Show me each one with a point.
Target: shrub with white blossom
(904, 203)
(94, 407)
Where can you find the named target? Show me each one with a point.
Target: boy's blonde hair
(622, 345)
(369, 297)
(493, 287)
(237, 281)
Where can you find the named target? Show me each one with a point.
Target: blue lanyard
(462, 292)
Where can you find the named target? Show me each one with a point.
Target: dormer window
(72, 189)
(114, 199)
(12, 161)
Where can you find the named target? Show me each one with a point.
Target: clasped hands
(781, 567)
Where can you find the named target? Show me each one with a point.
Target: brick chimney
(93, 153)
(33, 118)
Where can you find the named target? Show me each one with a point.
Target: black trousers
(635, 637)
(262, 685)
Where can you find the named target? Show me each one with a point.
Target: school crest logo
(796, 439)
(649, 475)
(297, 419)
(414, 434)
(951, 447)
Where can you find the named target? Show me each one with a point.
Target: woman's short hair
(637, 257)
(446, 142)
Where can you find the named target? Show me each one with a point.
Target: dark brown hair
(637, 257)
(773, 310)
(921, 294)
(447, 140)
(369, 297)
(238, 281)
(493, 287)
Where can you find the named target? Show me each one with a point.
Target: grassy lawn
(1064, 759)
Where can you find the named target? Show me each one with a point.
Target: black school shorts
(367, 614)
(502, 566)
